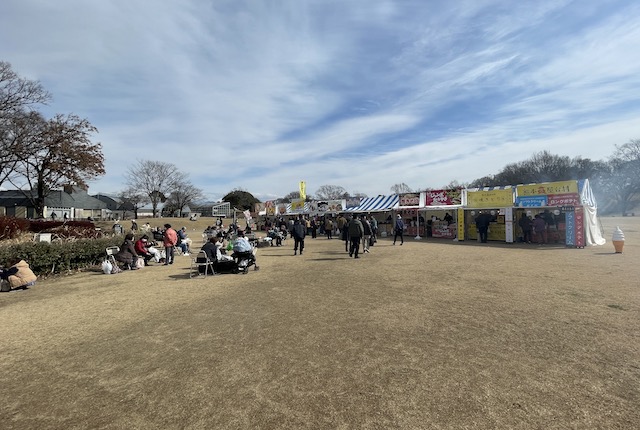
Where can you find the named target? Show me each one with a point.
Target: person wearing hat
(398, 231)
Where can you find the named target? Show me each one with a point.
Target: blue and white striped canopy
(373, 204)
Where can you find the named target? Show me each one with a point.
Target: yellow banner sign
(303, 190)
(490, 199)
(546, 188)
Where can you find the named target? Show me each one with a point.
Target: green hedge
(59, 257)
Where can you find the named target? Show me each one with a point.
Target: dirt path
(425, 335)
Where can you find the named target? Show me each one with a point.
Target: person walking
(398, 230)
(366, 237)
(170, 238)
(344, 235)
(374, 229)
(328, 227)
(299, 232)
(356, 231)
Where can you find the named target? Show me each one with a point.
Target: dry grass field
(428, 335)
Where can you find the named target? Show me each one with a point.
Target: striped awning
(373, 204)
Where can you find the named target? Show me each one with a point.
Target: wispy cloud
(260, 95)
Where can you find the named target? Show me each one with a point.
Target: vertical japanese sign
(461, 224)
(508, 224)
(570, 228)
(303, 190)
(579, 227)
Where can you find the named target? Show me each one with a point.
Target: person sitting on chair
(183, 241)
(145, 250)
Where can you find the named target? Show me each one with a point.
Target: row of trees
(615, 181)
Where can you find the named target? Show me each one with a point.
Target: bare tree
(293, 195)
(156, 179)
(454, 185)
(623, 179)
(17, 136)
(18, 94)
(401, 188)
(133, 199)
(184, 194)
(331, 192)
(18, 97)
(61, 153)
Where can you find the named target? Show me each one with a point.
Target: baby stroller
(243, 260)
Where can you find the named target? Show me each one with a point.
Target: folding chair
(111, 251)
(200, 265)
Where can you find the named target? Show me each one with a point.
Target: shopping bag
(107, 267)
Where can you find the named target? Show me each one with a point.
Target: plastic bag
(107, 267)
(140, 263)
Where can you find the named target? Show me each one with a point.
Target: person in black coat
(127, 253)
(482, 224)
(299, 231)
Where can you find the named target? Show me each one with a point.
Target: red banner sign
(579, 220)
(558, 200)
(444, 197)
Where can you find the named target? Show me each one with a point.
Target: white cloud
(364, 95)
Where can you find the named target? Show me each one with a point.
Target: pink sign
(443, 197)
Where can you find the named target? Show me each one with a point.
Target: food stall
(379, 207)
(440, 210)
(568, 207)
(408, 206)
(497, 202)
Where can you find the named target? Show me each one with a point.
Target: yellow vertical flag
(303, 192)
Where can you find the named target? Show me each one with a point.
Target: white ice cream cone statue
(618, 240)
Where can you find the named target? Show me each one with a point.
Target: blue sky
(363, 94)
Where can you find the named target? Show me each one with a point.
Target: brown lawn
(428, 335)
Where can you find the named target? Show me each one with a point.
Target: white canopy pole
(418, 225)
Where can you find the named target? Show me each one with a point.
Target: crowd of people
(156, 244)
(355, 230)
(537, 229)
